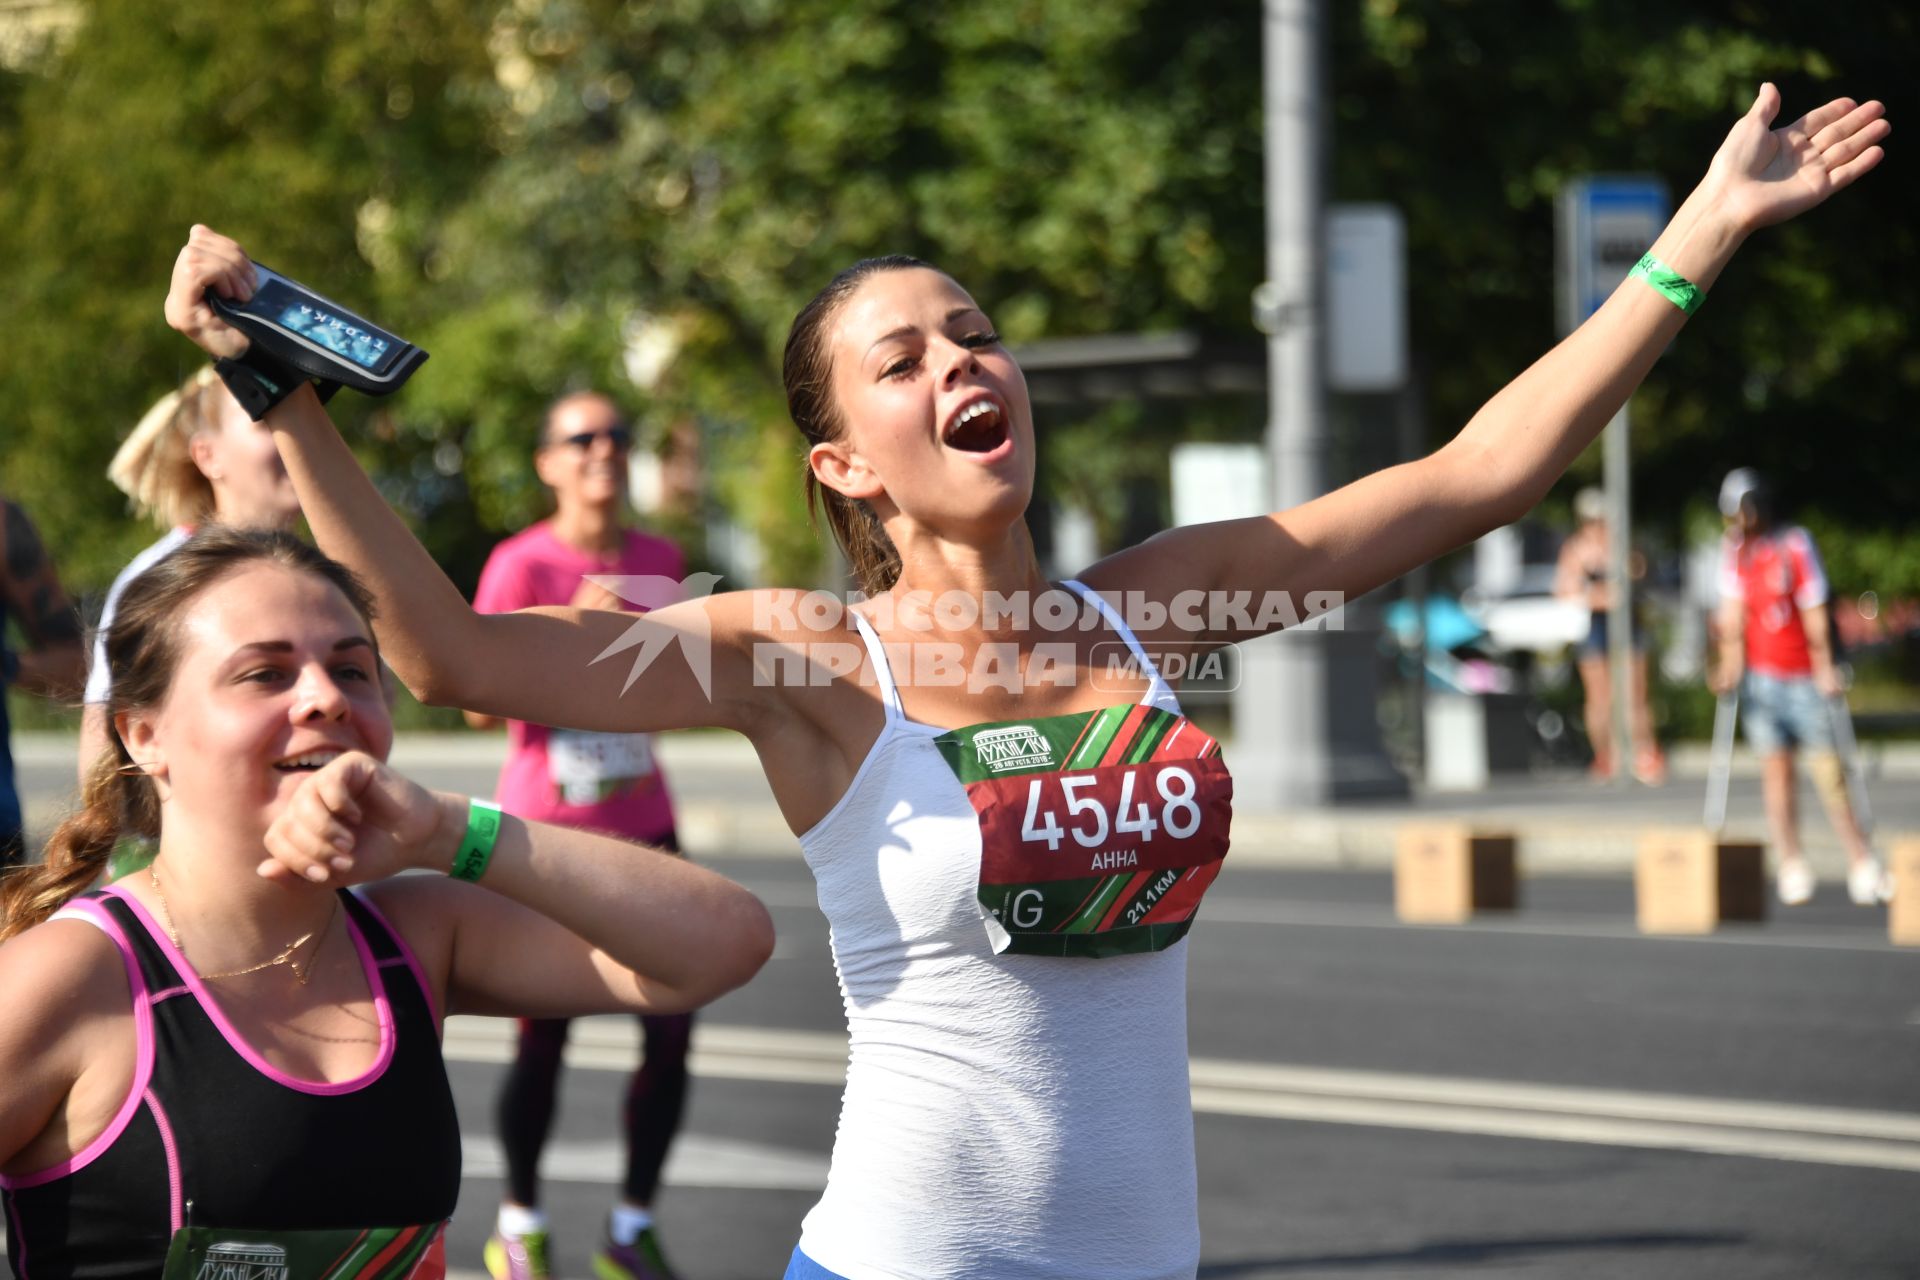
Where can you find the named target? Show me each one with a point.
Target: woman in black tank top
(233, 1059)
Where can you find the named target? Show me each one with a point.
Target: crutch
(1850, 761)
(1726, 710)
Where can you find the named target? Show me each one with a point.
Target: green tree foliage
(1802, 363)
(1081, 168)
(533, 190)
(282, 124)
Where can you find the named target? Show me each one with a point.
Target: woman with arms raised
(1008, 854)
(234, 1048)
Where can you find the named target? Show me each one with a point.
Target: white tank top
(1006, 1117)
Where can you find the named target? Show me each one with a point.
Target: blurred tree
(704, 167)
(297, 127)
(1471, 116)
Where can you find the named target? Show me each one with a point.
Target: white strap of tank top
(877, 654)
(1114, 620)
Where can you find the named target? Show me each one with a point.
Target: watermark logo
(1014, 746)
(806, 638)
(691, 631)
(1116, 668)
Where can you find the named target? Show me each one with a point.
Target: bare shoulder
(1170, 589)
(58, 961)
(1154, 566)
(63, 979)
(66, 1040)
(820, 702)
(422, 909)
(796, 645)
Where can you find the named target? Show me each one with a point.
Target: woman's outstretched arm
(1508, 456)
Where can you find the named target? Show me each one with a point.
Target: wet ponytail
(807, 370)
(114, 803)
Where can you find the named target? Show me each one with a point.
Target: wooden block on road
(1444, 873)
(1689, 880)
(1903, 913)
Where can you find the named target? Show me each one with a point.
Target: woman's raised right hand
(210, 261)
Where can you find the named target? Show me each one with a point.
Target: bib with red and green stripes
(375, 1253)
(1099, 831)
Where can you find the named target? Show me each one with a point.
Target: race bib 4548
(1099, 832)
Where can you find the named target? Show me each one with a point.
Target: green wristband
(476, 846)
(1668, 283)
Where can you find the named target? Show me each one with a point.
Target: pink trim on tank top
(93, 913)
(406, 951)
(376, 986)
(165, 1126)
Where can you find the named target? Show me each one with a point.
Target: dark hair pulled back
(807, 370)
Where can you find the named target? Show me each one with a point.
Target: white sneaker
(1795, 882)
(1869, 882)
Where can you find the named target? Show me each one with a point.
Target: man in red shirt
(1776, 648)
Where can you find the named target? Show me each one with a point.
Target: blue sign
(1605, 225)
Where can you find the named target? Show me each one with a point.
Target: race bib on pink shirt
(1099, 832)
(591, 768)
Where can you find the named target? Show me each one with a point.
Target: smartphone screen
(347, 336)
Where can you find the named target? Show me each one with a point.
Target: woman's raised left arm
(1511, 452)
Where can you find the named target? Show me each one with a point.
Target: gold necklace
(286, 954)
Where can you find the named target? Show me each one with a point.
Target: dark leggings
(656, 1096)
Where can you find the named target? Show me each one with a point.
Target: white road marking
(1322, 1095)
(697, 1160)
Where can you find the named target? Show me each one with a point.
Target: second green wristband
(476, 846)
(1668, 283)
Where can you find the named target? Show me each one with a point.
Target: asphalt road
(1341, 1128)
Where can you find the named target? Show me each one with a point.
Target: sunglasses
(620, 437)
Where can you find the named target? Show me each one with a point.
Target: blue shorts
(1784, 712)
(801, 1267)
(1595, 645)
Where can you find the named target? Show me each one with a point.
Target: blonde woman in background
(194, 458)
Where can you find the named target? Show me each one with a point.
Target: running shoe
(521, 1259)
(641, 1260)
(1795, 882)
(1869, 882)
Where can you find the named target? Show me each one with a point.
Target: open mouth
(978, 428)
(309, 762)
